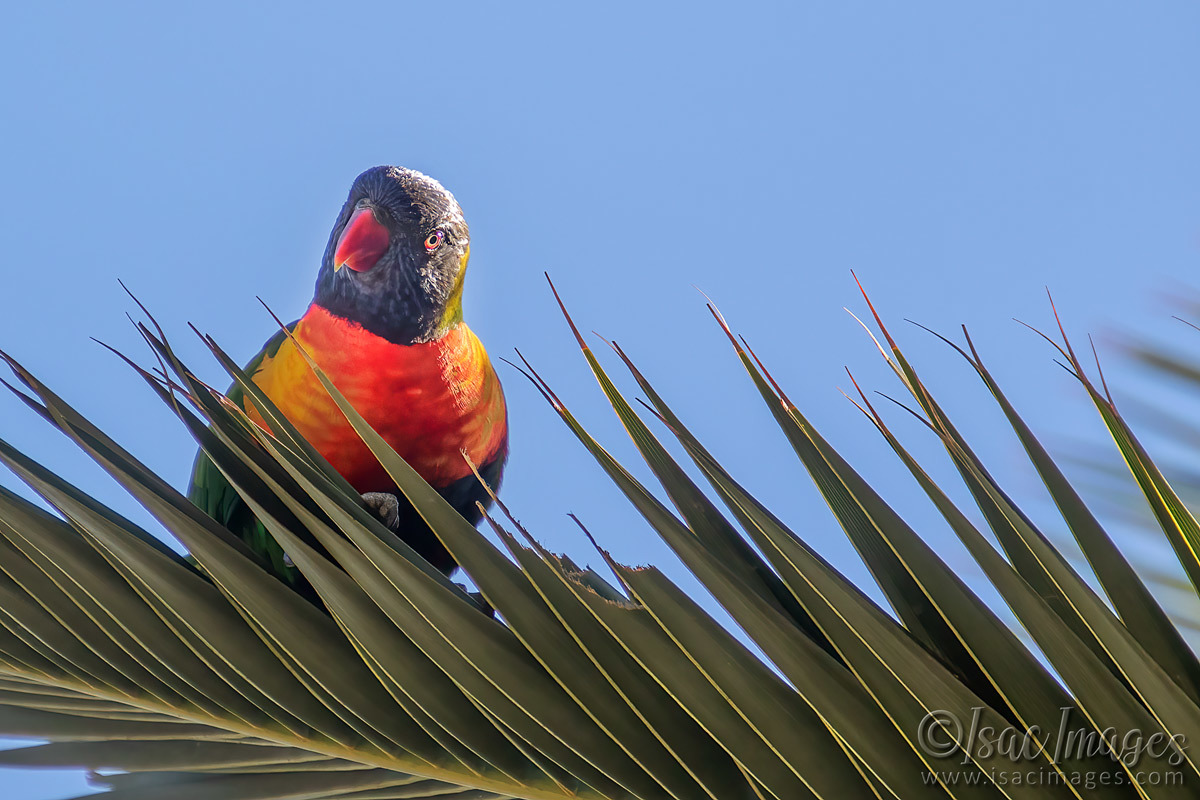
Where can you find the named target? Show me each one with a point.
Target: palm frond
(213, 679)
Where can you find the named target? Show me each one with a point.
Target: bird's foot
(385, 506)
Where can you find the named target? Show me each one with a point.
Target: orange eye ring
(434, 240)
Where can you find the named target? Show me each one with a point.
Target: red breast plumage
(430, 401)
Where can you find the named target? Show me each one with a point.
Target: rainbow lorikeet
(385, 325)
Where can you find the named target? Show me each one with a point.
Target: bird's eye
(434, 240)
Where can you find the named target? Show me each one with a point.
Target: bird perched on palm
(385, 325)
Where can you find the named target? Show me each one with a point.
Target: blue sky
(959, 158)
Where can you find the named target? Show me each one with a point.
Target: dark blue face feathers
(403, 294)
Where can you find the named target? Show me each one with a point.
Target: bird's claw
(385, 506)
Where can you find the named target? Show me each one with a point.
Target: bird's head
(396, 257)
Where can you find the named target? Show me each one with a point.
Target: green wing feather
(213, 494)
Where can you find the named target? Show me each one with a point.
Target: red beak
(363, 241)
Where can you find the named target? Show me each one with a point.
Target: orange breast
(429, 401)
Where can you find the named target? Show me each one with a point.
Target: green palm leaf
(210, 678)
